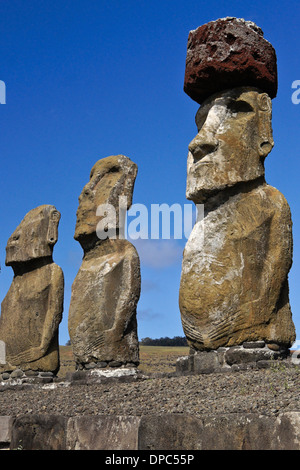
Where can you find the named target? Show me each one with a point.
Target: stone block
(185, 365)
(239, 355)
(39, 432)
(253, 344)
(5, 429)
(227, 53)
(170, 432)
(103, 433)
(228, 432)
(206, 362)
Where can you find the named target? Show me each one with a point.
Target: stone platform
(100, 375)
(20, 377)
(250, 355)
(172, 432)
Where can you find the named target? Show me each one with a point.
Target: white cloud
(149, 285)
(147, 314)
(159, 253)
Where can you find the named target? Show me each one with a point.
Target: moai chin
(102, 315)
(32, 309)
(234, 285)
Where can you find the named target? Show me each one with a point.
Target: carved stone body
(32, 309)
(234, 288)
(102, 315)
(234, 282)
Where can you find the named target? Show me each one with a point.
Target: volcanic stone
(111, 178)
(102, 315)
(32, 309)
(228, 53)
(234, 281)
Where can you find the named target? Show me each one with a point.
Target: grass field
(152, 358)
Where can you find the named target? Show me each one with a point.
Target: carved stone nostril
(202, 150)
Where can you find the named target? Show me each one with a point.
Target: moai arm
(280, 326)
(124, 284)
(263, 239)
(52, 319)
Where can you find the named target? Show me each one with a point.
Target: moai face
(110, 178)
(234, 137)
(34, 237)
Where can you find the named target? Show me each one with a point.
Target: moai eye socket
(240, 106)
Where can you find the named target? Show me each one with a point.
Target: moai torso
(103, 308)
(234, 287)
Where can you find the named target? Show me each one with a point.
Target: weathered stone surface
(32, 309)
(234, 287)
(232, 359)
(234, 137)
(228, 53)
(251, 432)
(34, 238)
(168, 431)
(103, 376)
(5, 429)
(229, 432)
(39, 432)
(110, 178)
(17, 373)
(185, 365)
(102, 315)
(103, 433)
(206, 362)
(234, 282)
(240, 355)
(254, 344)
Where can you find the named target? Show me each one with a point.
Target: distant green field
(152, 358)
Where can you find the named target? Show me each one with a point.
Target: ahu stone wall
(151, 433)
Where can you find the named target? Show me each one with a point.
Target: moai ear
(264, 102)
(52, 235)
(266, 142)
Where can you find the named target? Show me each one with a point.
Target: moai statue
(102, 315)
(32, 309)
(234, 281)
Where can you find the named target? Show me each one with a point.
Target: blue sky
(88, 79)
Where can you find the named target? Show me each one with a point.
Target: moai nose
(202, 145)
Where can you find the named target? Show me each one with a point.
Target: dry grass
(152, 359)
(160, 358)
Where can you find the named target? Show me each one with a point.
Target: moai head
(231, 71)
(35, 237)
(234, 137)
(111, 178)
